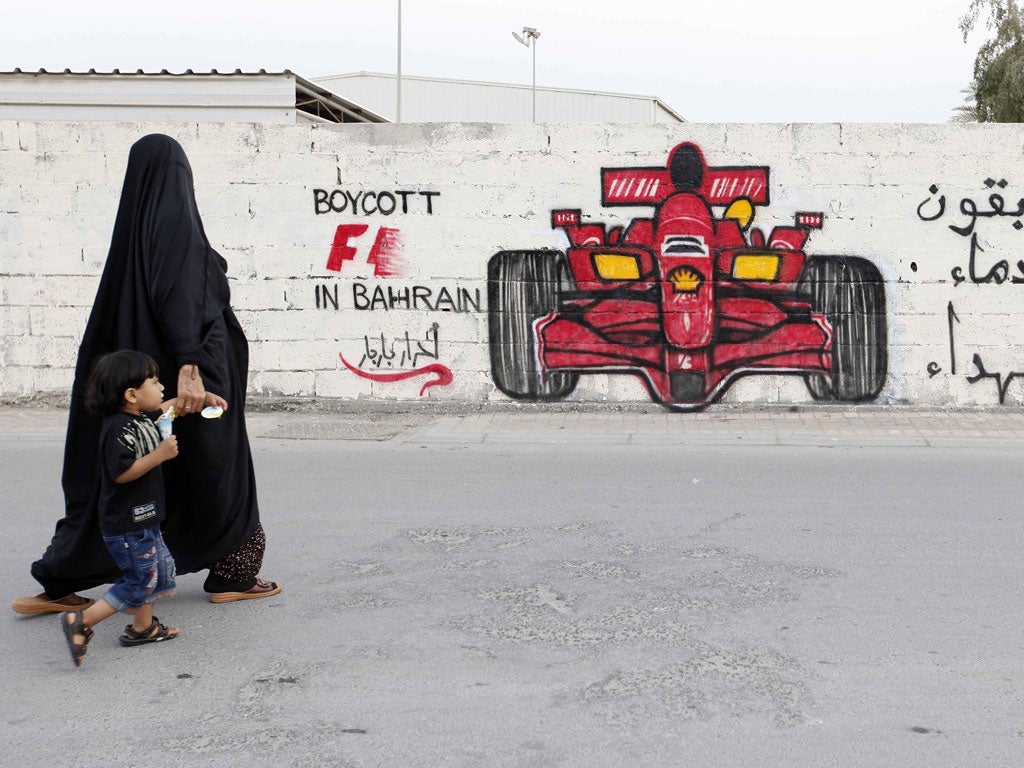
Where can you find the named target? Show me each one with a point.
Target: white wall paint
(495, 187)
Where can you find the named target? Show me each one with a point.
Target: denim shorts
(147, 568)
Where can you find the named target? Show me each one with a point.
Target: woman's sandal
(262, 588)
(73, 624)
(154, 633)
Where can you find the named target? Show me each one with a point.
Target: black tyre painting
(850, 292)
(522, 286)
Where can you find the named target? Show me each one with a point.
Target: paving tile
(806, 426)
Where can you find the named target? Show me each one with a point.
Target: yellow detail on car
(617, 266)
(741, 211)
(756, 266)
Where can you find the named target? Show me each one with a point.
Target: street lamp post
(529, 39)
(398, 118)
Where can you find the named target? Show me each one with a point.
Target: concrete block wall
(393, 277)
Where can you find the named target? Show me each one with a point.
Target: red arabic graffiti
(442, 372)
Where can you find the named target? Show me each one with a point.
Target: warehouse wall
(359, 254)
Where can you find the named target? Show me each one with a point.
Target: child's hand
(212, 399)
(168, 449)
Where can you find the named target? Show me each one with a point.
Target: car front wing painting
(688, 300)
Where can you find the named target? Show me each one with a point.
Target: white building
(205, 97)
(284, 97)
(432, 99)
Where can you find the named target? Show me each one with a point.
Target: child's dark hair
(112, 374)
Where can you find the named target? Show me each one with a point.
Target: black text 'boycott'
(367, 203)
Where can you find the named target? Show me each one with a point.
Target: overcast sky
(779, 61)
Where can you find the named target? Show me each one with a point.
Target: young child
(125, 388)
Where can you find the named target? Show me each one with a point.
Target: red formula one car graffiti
(687, 300)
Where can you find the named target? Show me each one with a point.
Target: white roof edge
(312, 84)
(336, 102)
(669, 109)
(143, 73)
(493, 82)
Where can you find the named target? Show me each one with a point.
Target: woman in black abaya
(164, 291)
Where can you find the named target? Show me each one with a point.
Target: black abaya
(164, 291)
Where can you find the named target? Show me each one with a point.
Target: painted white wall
(494, 187)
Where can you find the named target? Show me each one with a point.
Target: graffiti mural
(983, 268)
(400, 352)
(688, 300)
(386, 359)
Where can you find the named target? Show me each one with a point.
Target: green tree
(996, 91)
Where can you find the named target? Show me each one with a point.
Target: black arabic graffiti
(388, 349)
(934, 369)
(1002, 381)
(970, 209)
(1002, 384)
(999, 272)
(952, 316)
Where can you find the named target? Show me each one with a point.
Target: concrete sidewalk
(803, 425)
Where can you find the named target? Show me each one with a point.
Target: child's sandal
(154, 633)
(73, 624)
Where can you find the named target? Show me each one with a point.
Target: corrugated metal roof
(19, 71)
(313, 100)
(656, 101)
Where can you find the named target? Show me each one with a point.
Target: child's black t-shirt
(124, 507)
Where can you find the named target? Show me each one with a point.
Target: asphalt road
(583, 603)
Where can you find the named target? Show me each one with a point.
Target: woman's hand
(191, 392)
(212, 399)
